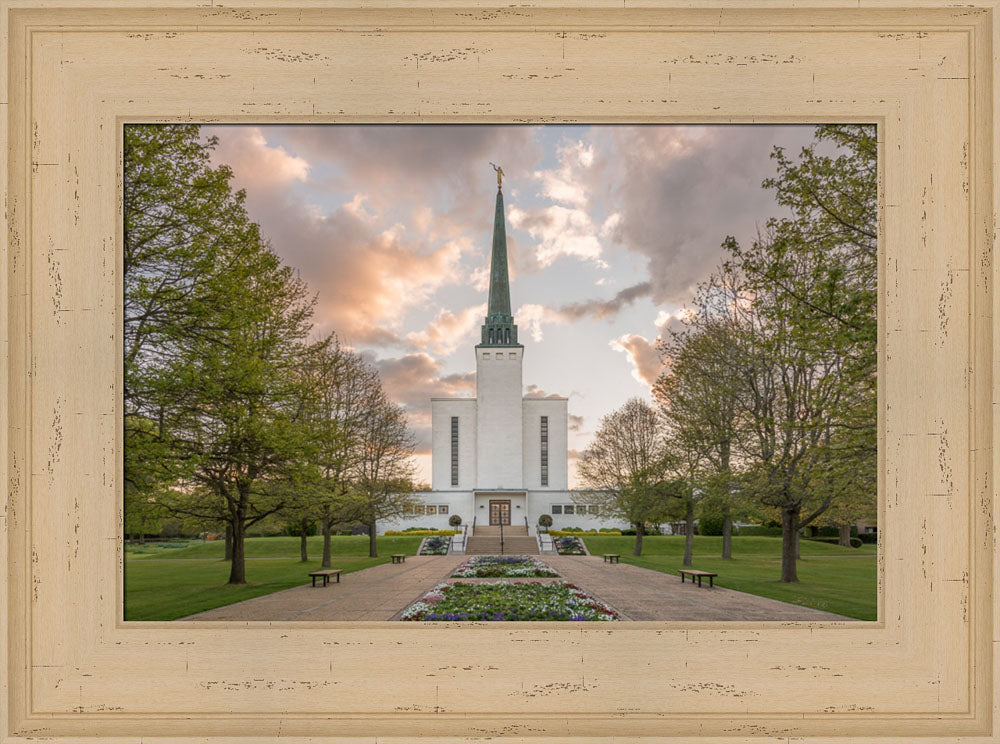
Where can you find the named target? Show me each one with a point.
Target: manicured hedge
(420, 533)
(578, 533)
(757, 530)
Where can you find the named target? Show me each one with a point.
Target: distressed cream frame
(923, 71)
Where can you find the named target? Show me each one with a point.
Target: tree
(348, 392)
(180, 218)
(237, 395)
(382, 477)
(623, 468)
(699, 397)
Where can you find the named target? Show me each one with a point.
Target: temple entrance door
(499, 513)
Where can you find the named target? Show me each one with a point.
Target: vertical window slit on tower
(454, 450)
(545, 450)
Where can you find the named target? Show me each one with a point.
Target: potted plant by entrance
(455, 521)
(545, 521)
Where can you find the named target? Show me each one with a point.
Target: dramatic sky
(609, 229)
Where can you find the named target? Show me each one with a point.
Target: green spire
(499, 329)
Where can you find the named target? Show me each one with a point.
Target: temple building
(500, 457)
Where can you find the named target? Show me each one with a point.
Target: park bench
(326, 573)
(612, 558)
(695, 574)
(398, 558)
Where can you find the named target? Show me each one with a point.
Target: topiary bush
(454, 520)
(545, 521)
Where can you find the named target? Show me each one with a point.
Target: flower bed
(435, 546)
(498, 601)
(503, 566)
(568, 546)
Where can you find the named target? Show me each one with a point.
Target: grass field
(831, 578)
(165, 583)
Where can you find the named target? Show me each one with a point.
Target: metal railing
(501, 537)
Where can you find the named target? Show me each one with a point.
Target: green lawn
(831, 578)
(168, 583)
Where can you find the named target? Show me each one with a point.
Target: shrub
(172, 528)
(545, 521)
(756, 530)
(830, 531)
(710, 524)
(869, 538)
(454, 520)
(855, 542)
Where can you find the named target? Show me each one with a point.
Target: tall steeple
(499, 328)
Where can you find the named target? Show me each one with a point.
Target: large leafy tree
(347, 391)
(382, 477)
(699, 398)
(624, 468)
(237, 395)
(181, 217)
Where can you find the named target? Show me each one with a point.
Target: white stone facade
(497, 442)
(498, 456)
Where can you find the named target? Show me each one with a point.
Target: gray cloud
(682, 190)
(605, 308)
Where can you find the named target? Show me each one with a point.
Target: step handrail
(501, 537)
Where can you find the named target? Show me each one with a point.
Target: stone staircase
(516, 541)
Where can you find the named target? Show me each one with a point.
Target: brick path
(644, 594)
(375, 593)
(382, 592)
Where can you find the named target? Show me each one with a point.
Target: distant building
(499, 458)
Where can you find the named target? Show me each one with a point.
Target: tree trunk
(142, 537)
(844, 535)
(640, 529)
(798, 545)
(789, 543)
(237, 569)
(229, 541)
(372, 547)
(727, 533)
(326, 542)
(303, 552)
(689, 533)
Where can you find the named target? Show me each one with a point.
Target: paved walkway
(644, 594)
(375, 593)
(382, 592)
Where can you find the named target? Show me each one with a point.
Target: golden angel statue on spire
(499, 171)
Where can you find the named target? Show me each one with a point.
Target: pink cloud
(643, 355)
(255, 163)
(448, 330)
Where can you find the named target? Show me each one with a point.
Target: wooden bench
(326, 573)
(398, 558)
(695, 574)
(612, 558)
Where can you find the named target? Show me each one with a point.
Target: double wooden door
(499, 512)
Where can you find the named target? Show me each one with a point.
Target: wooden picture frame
(924, 72)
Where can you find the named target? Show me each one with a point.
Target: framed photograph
(920, 76)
